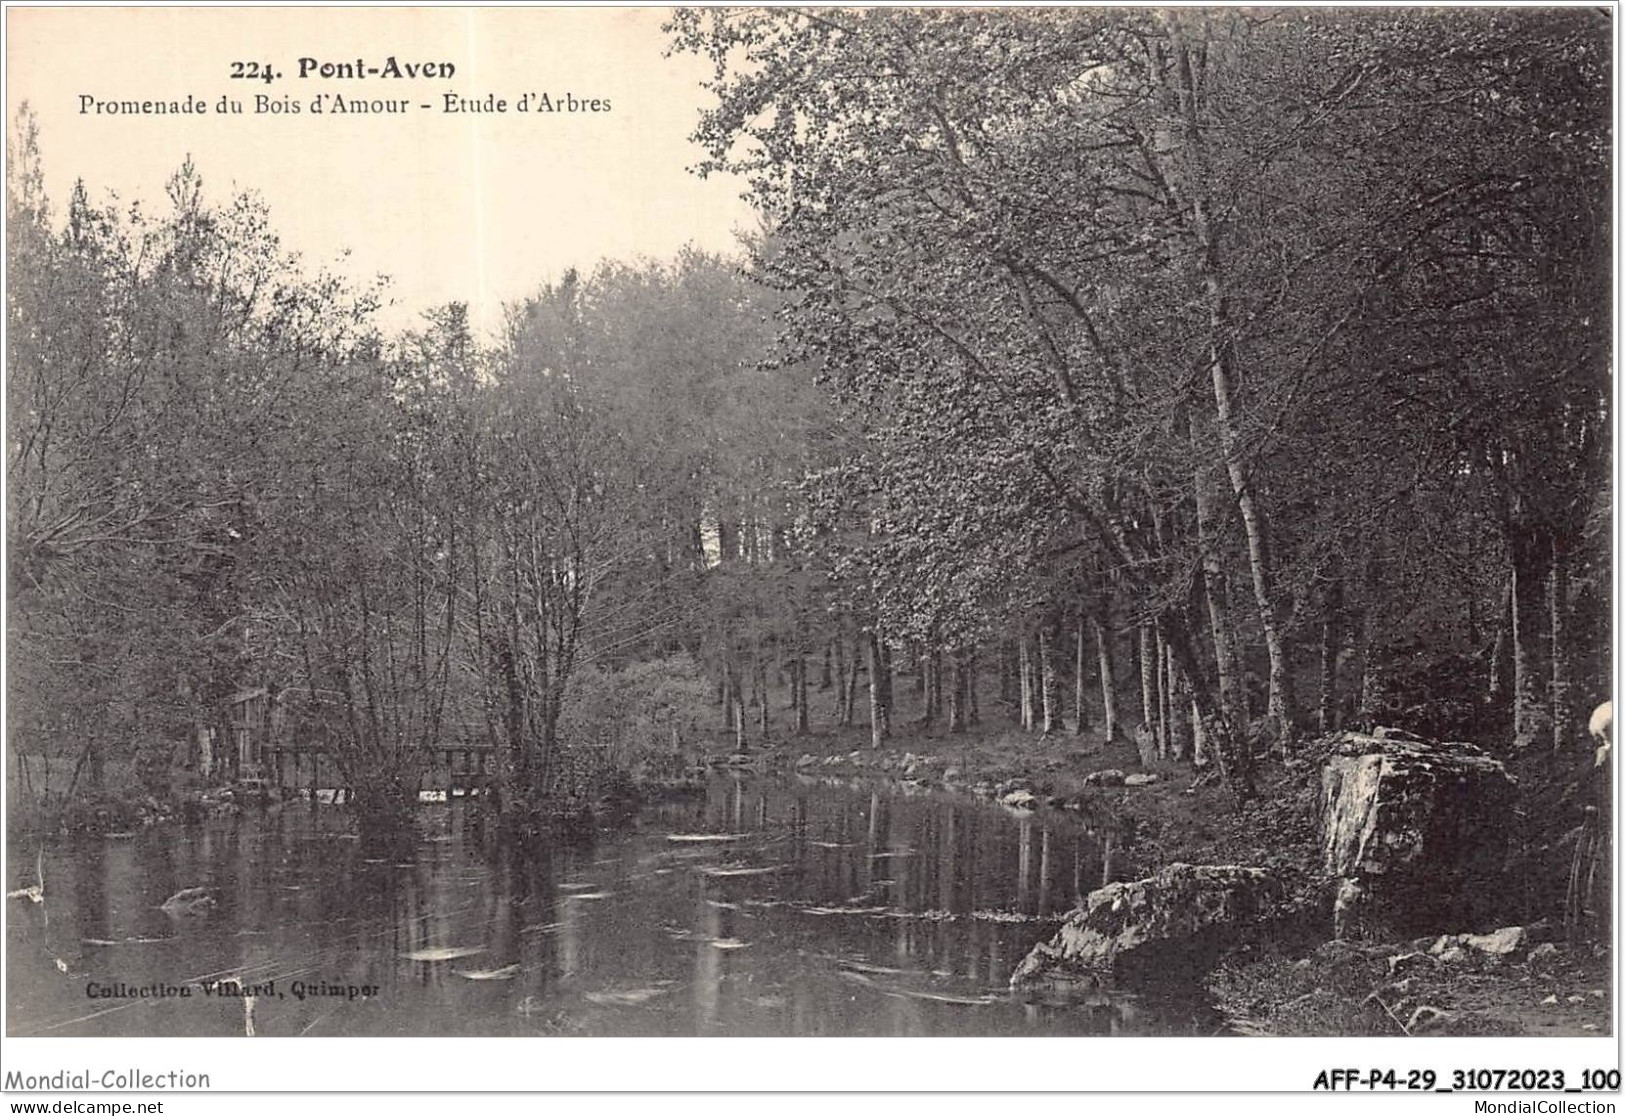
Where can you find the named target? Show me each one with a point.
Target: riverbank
(1164, 813)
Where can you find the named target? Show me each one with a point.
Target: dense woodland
(1196, 379)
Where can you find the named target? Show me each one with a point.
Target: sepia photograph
(805, 522)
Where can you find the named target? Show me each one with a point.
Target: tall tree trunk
(933, 686)
(1226, 658)
(1499, 656)
(1531, 566)
(841, 686)
(974, 712)
(938, 700)
(849, 704)
(1026, 687)
(1179, 708)
(1367, 697)
(1223, 716)
(888, 686)
(1229, 750)
(1079, 705)
(1048, 692)
(800, 676)
(1365, 688)
(826, 678)
(1562, 682)
(1007, 693)
(760, 685)
(1331, 635)
(1162, 694)
(956, 691)
(879, 712)
(1211, 264)
(1108, 685)
(1148, 671)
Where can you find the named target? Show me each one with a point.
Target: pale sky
(480, 208)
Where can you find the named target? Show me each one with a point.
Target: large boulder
(1414, 832)
(1172, 924)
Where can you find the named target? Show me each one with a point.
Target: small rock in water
(1110, 777)
(1552, 999)
(1141, 779)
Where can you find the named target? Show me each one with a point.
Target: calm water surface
(766, 908)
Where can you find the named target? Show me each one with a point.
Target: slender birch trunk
(1210, 259)
(1531, 568)
(879, 696)
(1108, 684)
(1079, 705)
(1562, 682)
(1026, 687)
(1049, 694)
(1148, 685)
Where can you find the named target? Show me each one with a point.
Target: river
(767, 907)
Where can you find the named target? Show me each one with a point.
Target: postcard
(884, 528)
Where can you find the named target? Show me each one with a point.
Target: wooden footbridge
(458, 772)
(263, 747)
